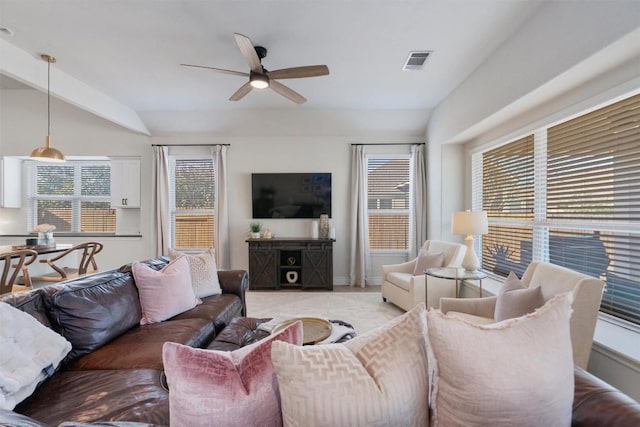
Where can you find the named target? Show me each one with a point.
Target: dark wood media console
(290, 263)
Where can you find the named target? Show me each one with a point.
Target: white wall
(567, 58)
(77, 133)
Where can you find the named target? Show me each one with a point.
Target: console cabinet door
(317, 271)
(263, 270)
(125, 183)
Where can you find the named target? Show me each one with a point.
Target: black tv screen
(291, 195)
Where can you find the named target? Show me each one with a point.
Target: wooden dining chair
(15, 262)
(87, 264)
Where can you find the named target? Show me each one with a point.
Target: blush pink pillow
(222, 388)
(165, 293)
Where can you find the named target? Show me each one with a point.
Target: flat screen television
(291, 195)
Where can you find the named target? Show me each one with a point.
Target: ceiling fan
(261, 78)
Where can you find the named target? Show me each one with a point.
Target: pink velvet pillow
(222, 388)
(165, 293)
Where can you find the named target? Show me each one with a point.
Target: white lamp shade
(469, 223)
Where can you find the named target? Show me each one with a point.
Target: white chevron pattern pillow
(204, 273)
(376, 379)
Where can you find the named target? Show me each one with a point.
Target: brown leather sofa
(114, 370)
(113, 376)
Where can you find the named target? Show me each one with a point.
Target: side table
(457, 274)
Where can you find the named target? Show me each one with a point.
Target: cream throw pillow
(426, 260)
(515, 300)
(518, 372)
(204, 273)
(376, 379)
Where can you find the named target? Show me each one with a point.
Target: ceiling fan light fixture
(259, 81)
(47, 153)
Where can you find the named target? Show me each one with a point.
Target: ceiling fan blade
(220, 70)
(249, 52)
(287, 92)
(299, 72)
(240, 93)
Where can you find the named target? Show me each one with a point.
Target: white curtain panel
(359, 261)
(162, 203)
(418, 200)
(222, 244)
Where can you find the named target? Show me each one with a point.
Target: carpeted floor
(364, 310)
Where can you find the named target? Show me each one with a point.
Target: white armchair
(405, 290)
(553, 280)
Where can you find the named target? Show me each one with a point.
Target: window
(572, 198)
(388, 192)
(192, 202)
(74, 196)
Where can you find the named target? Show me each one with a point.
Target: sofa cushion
(515, 300)
(376, 379)
(238, 388)
(204, 273)
(102, 395)
(91, 311)
(141, 346)
(164, 293)
(29, 302)
(493, 384)
(426, 260)
(220, 309)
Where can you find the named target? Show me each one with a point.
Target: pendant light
(48, 153)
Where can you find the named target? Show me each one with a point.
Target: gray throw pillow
(514, 300)
(426, 260)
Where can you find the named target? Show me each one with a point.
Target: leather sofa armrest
(483, 307)
(596, 403)
(235, 282)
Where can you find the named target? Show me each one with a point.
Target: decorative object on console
(292, 276)
(324, 226)
(254, 229)
(204, 272)
(315, 229)
(339, 384)
(470, 223)
(165, 293)
(237, 388)
(492, 384)
(47, 153)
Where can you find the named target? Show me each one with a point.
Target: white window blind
(75, 196)
(508, 198)
(193, 202)
(593, 201)
(388, 192)
(570, 195)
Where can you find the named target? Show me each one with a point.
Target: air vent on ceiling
(415, 60)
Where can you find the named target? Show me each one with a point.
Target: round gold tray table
(314, 329)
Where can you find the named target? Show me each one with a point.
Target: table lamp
(470, 223)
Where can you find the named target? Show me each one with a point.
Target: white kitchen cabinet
(125, 183)
(10, 182)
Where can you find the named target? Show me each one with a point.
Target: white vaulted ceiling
(120, 59)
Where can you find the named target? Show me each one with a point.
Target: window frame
(408, 211)
(76, 199)
(543, 227)
(173, 158)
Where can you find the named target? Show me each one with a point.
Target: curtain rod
(393, 143)
(189, 145)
